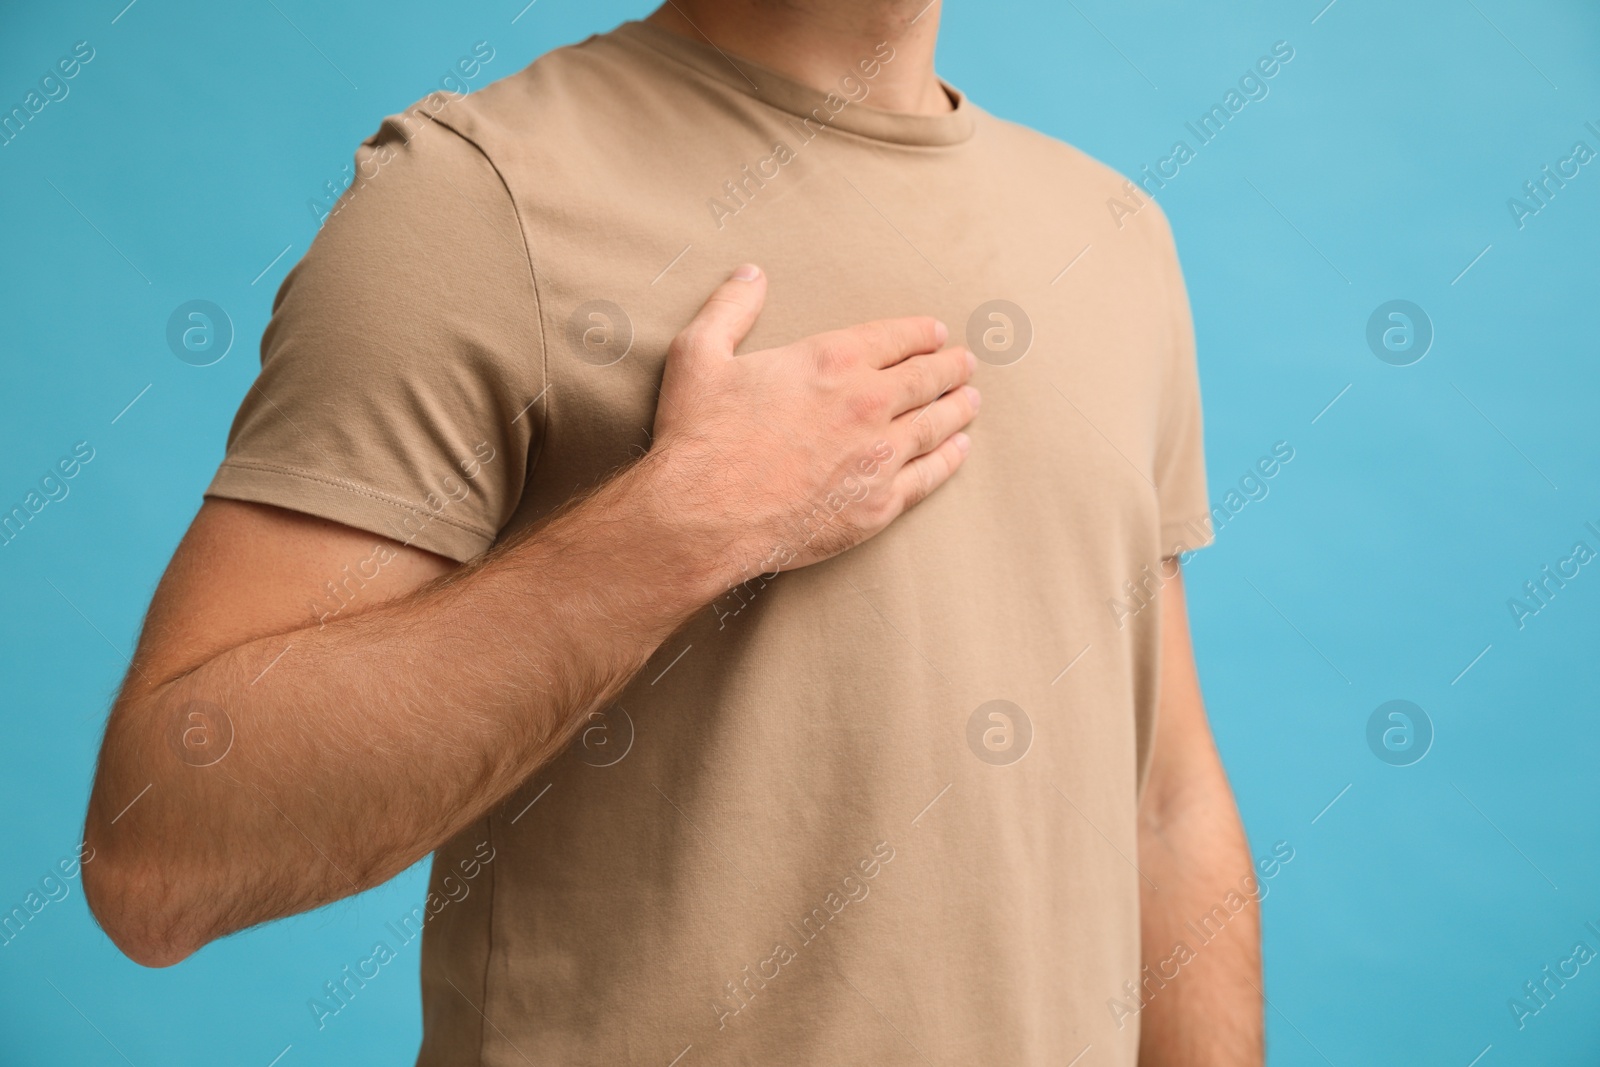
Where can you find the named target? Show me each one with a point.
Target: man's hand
(803, 451)
(361, 741)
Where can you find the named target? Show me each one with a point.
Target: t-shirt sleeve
(1180, 462)
(401, 366)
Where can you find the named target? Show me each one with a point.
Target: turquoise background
(1377, 568)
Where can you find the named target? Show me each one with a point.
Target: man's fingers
(929, 471)
(920, 380)
(726, 317)
(921, 431)
(886, 342)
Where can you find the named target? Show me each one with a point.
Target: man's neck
(815, 42)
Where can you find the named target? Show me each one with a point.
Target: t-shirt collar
(784, 93)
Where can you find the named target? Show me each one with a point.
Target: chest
(1071, 331)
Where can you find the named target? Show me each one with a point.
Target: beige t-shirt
(806, 833)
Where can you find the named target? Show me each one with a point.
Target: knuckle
(690, 341)
(868, 406)
(834, 354)
(919, 381)
(879, 505)
(874, 336)
(959, 364)
(917, 486)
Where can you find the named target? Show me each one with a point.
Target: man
(857, 781)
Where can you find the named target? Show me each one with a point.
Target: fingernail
(749, 272)
(972, 361)
(963, 442)
(941, 332)
(974, 397)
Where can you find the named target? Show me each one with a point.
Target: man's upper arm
(245, 571)
(381, 441)
(1183, 754)
(399, 369)
(1179, 463)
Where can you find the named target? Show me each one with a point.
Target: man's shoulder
(458, 140)
(1057, 169)
(553, 99)
(1043, 149)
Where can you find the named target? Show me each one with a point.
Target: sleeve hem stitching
(357, 489)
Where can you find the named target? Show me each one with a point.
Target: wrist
(689, 549)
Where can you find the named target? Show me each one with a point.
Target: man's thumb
(727, 315)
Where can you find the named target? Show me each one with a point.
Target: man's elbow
(137, 912)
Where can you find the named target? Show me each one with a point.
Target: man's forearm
(376, 738)
(1201, 977)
